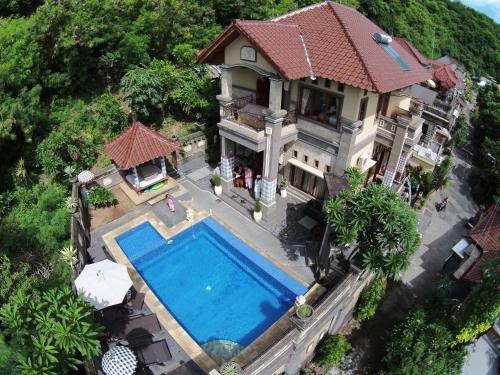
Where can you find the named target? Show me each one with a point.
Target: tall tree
(382, 224)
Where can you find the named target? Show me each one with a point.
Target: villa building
(316, 91)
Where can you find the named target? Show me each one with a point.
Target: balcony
(387, 126)
(245, 112)
(243, 121)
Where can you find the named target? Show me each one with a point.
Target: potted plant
(257, 211)
(230, 368)
(304, 312)
(217, 185)
(71, 205)
(283, 185)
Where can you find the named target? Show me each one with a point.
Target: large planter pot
(304, 312)
(218, 190)
(283, 193)
(257, 216)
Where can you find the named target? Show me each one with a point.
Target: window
(327, 169)
(320, 105)
(365, 92)
(316, 164)
(303, 79)
(395, 56)
(328, 83)
(295, 154)
(363, 104)
(306, 159)
(315, 81)
(340, 87)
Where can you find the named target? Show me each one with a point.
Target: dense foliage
(331, 351)
(380, 222)
(51, 332)
(100, 197)
(421, 345)
(369, 300)
(486, 121)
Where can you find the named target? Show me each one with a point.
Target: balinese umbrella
(119, 360)
(103, 283)
(85, 177)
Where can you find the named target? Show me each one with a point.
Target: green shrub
(331, 351)
(257, 206)
(370, 299)
(217, 180)
(305, 311)
(101, 197)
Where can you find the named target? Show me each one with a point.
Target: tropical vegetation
(382, 225)
(331, 351)
(370, 299)
(486, 122)
(432, 338)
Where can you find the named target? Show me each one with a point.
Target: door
(262, 95)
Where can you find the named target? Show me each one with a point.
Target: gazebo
(140, 152)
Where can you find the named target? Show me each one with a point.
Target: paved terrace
(200, 197)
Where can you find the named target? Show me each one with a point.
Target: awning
(460, 247)
(421, 93)
(306, 167)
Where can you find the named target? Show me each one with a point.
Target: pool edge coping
(167, 320)
(178, 333)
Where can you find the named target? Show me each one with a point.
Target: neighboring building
(316, 91)
(468, 260)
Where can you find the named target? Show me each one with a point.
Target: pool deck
(188, 357)
(190, 347)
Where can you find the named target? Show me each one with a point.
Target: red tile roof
(286, 50)
(486, 233)
(443, 74)
(138, 144)
(326, 40)
(410, 48)
(474, 274)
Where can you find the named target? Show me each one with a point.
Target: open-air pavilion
(140, 153)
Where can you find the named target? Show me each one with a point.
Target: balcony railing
(387, 123)
(244, 111)
(290, 118)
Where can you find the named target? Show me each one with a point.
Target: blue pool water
(215, 285)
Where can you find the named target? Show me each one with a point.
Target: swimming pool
(215, 285)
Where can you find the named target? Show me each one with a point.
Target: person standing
(248, 178)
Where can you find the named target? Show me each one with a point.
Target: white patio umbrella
(119, 360)
(85, 177)
(103, 283)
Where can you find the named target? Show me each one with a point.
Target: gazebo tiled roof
(137, 145)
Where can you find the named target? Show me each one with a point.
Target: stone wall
(194, 146)
(296, 348)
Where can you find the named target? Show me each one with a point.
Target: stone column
(163, 166)
(226, 159)
(346, 147)
(271, 157)
(275, 94)
(396, 150)
(226, 82)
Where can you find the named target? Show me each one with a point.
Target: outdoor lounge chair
(136, 301)
(155, 352)
(126, 329)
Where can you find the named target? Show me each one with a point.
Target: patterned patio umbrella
(119, 360)
(85, 177)
(103, 283)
